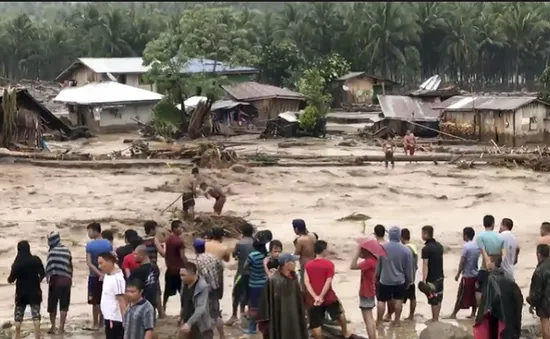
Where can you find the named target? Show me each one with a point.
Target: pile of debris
(463, 130)
(205, 222)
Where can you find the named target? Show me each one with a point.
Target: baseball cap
(198, 243)
(286, 257)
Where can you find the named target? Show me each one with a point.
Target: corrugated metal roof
(135, 66)
(105, 93)
(352, 75)
(226, 104)
(407, 108)
(492, 103)
(248, 91)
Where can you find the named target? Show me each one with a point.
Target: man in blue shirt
(94, 248)
(491, 245)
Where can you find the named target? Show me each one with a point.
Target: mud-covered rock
(442, 330)
(237, 168)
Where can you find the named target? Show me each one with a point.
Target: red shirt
(174, 244)
(318, 271)
(129, 262)
(368, 270)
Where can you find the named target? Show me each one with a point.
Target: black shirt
(27, 275)
(433, 251)
(148, 275)
(188, 308)
(272, 263)
(121, 252)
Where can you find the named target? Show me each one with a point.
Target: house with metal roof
(108, 106)
(506, 120)
(268, 100)
(359, 89)
(130, 71)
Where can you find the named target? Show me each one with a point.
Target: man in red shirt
(129, 263)
(175, 260)
(367, 291)
(321, 298)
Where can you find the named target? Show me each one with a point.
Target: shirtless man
(409, 143)
(189, 194)
(304, 245)
(388, 147)
(216, 247)
(544, 234)
(215, 192)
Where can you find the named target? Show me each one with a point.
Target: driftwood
(197, 119)
(44, 156)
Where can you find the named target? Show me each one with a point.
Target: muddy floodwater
(36, 201)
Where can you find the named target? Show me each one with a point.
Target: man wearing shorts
(189, 194)
(411, 291)
(175, 260)
(432, 269)
(321, 298)
(396, 275)
(490, 245)
(94, 248)
(367, 299)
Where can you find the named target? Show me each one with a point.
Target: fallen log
(44, 156)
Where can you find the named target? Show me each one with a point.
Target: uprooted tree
(313, 86)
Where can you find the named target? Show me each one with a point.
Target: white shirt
(113, 286)
(510, 244)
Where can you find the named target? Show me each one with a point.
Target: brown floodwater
(38, 200)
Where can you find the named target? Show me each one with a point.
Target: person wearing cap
(59, 273)
(303, 245)
(281, 312)
(211, 269)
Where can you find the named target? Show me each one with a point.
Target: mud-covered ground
(38, 200)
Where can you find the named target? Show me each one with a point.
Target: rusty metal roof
(490, 103)
(352, 75)
(251, 91)
(407, 108)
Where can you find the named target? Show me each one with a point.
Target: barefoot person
(510, 246)
(189, 194)
(154, 249)
(409, 143)
(175, 259)
(215, 245)
(539, 291)
(396, 275)
(321, 298)
(59, 272)
(490, 245)
(27, 272)
(367, 300)
(432, 269)
(215, 192)
(411, 291)
(388, 147)
(469, 258)
(303, 245)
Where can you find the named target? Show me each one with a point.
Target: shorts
(389, 157)
(387, 292)
(482, 279)
(437, 298)
(61, 295)
(316, 314)
(95, 288)
(254, 295)
(114, 329)
(187, 201)
(410, 294)
(409, 150)
(367, 303)
(218, 205)
(19, 312)
(240, 288)
(172, 284)
(214, 305)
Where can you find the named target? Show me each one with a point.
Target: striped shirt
(149, 243)
(256, 270)
(138, 319)
(59, 262)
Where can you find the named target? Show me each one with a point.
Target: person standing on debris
(303, 245)
(511, 247)
(491, 245)
(432, 269)
(321, 298)
(59, 271)
(240, 286)
(154, 248)
(468, 268)
(190, 194)
(175, 260)
(539, 291)
(388, 147)
(27, 272)
(411, 291)
(94, 248)
(215, 192)
(409, 143)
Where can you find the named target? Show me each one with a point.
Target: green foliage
(312, 85)
(331, 67)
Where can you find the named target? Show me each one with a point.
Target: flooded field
(38, 200)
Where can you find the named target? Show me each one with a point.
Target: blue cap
(286, 257)
(198, 243)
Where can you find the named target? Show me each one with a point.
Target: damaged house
(511, 121)
(268, 100)
(359, 89)
(30, 121)
(106, 107)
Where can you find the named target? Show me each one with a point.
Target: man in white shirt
(510, 247)
(113, 304)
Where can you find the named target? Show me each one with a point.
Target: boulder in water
(441, 330)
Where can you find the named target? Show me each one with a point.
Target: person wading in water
(189, 194)
(388, 147)
(215, 192)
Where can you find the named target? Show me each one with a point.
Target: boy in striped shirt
(256, 282)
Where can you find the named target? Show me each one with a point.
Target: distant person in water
(190, 194)
(27, 272)
(409, 143)
(215, 192)
(388, 147)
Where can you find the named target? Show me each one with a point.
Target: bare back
(218, 249)
(304, 248)
(190, 184)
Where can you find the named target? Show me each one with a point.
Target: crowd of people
(269, 293)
